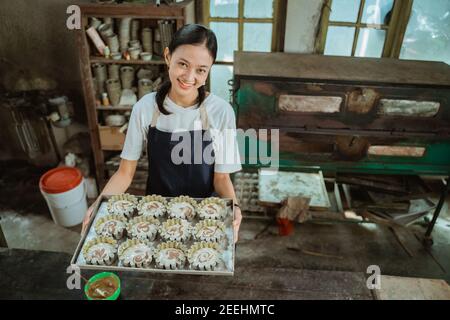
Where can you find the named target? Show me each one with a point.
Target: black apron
(168, 179)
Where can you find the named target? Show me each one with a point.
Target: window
(359, 28)
(427, 36)
(406, 29)
(240, 25)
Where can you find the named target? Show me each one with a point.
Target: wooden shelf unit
(123, 61)
(183, 13)
(114, 108)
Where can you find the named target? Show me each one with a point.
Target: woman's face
(189, 66)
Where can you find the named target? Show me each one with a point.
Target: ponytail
(201, 95)
(161, 94)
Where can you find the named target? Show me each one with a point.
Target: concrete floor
(37, 232)
(350, 247)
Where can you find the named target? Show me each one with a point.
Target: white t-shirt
(222, 125)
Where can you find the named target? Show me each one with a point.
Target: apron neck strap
(155, 116)
(204, 117)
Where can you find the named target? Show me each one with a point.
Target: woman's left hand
(237, 222)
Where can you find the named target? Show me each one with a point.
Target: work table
(29, 274)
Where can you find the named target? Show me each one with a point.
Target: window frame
(278, 27)
(395, 31)
(279, 9)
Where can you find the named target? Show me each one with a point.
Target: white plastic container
(64, 190)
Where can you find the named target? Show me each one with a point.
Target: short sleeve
(137, 130)
(227, 157)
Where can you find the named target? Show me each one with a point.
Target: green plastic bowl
(99, 276)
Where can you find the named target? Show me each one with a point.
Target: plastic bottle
(105, 99)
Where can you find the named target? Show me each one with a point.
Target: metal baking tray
(228, 248)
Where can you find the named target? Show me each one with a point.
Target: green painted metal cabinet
(345, 114)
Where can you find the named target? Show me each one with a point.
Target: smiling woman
(189, 58)
(182, 108)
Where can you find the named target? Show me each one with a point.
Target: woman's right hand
(87, 218)
(117, 184)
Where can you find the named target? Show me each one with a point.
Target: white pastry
(212, 208)
(182, 207)
(100, 251)
(153, 206)
(143, 228)
(111, 226)
(170, 255)
(175, 230)
(135, 254)
(204, 256)
(123, 204)
(209, 230)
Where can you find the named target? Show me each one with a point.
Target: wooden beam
(147, 11)
(89, 100)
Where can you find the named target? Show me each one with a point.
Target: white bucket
(67, 208)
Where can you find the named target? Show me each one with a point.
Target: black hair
(194, 34)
